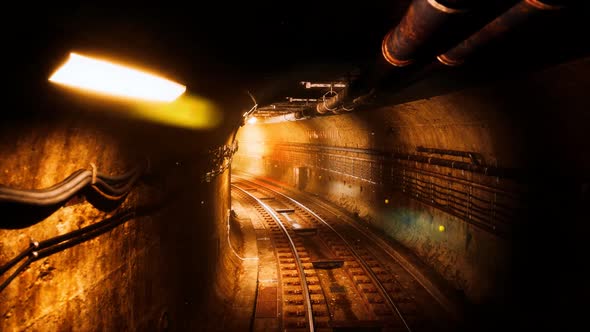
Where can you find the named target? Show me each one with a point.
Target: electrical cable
(34, 197)
(107, 196)
(15, 273)
(116, 190)
(255, 258)
(45, 248)
(64, 186)
(116, 178)
(15, 260)
(89, 234)
(109, 186)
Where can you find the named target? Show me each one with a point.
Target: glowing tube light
(116, 80)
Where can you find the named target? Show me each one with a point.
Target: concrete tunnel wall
(173, 267)
(536, 123)
(166, 269)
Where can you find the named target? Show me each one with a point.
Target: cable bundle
(38, 250)
(110, 187)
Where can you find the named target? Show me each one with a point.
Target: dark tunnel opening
(390, 166)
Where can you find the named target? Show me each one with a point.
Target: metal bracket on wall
(220, 160)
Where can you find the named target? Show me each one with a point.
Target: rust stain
(266, 304)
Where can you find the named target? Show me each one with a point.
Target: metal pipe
(424, 21)
(331, 104)
(426, 27)
(486, 170)
(474, 156)
(309, 85)
(456, 153)
(511, 19)
(282, 118)
(461, 165)
(291, 99)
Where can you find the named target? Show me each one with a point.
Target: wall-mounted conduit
(489, 207)
(112, 187)
(501, 172)
(39, 250)
(109, 187)
(475, 157)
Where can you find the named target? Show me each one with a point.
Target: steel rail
(365, 266)
(381, 243)
(306, 295)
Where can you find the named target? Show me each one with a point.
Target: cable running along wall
(111, 187)
(466, 190)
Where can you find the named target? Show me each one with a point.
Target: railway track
(328, 277)
(296, 309)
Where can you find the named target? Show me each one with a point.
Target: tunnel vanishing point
(405, 165)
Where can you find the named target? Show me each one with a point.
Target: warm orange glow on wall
(115, 80)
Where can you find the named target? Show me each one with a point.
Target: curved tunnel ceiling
(221, 51)
(532, 122)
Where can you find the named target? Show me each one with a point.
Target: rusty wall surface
(100, 283)
(534, 124)
(153, 271)
(226, 265)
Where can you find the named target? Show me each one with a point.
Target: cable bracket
(94, 171)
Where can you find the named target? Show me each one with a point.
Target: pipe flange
(445, 60)
(440, 7)
(323, 104)
(94, 172)
(542, 6)
(389, 57)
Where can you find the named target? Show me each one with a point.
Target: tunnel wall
(161, 270)
(462, 223)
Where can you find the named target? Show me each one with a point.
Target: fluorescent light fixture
(252, 120)
(116, 80)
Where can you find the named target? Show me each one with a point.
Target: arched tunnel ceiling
(222, 50)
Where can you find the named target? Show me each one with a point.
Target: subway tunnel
(416, 165)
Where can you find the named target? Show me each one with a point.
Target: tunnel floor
(309, 265)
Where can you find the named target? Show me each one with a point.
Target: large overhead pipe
(424, 21)
(514, 17)
(428, 25)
